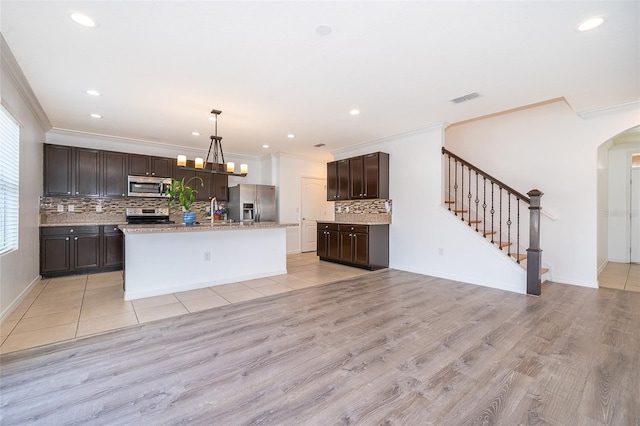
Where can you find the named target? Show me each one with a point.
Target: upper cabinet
(369, 176)
(362, 177)
(338, 180)
(114, 172)
(71, 171)
(212, 185)
(145, 165)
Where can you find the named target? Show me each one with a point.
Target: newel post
(534, 253)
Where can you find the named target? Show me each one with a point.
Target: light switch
(60, 208)
(99, 208)
(71, 208)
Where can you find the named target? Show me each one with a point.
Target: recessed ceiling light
(265, 146)
(83, 20)
(291, 136)
(591, 23)
(93, 92)
(95, 115)
(323, 30)
(354, 112)
(195, 133)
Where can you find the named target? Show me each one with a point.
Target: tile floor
(623, 276)
(64, 308)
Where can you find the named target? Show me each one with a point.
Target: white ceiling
(162, 66)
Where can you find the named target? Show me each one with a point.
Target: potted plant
(181, 197)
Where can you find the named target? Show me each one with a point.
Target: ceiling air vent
(318, 145)
(466, 97)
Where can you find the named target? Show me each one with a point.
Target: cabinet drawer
(65, 230)
(363, 229)
(110, 229)
(328, 226)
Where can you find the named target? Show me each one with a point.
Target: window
(9, 163)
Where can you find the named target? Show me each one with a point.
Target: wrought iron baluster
(462, 194)
(509, 224)
(469, 199)
(449, 188)
(477, 200)
(455, 188)
(518, 232)
(484, 207)
(492, 211)
(500, 219)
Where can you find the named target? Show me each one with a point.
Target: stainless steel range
(141, 215)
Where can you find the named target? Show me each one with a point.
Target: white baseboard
(13, 305)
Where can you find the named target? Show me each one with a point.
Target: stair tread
(461, 211)
(473, 221)
(519, 256)
(449, 202)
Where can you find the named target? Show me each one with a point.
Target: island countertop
(200, 227)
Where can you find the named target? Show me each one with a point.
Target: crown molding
(609, 110)
(12, 70)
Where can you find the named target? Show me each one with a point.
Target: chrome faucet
(214, 207)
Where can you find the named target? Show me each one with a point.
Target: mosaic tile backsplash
(112, 210)
(378, 211)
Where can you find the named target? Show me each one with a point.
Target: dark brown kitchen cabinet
(328, 240)
(145, 165)
(213, 184)
(369, 176)
(112, 246)
(86, 173)
(338, 180)
(364, 246)
(58, 170)
(114, 174)
(68, 250)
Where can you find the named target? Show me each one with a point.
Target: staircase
(498, 213)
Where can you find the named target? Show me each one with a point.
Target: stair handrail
(488, 176)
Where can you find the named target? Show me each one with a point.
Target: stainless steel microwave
(147, 186)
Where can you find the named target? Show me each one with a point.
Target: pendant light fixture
(218, 165)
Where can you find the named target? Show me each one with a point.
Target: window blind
(9, 190)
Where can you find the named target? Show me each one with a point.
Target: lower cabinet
(66, 250)
(365, 246)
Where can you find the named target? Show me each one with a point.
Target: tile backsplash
(378, 210)
(112, 210)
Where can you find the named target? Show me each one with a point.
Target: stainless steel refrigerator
(252, 203)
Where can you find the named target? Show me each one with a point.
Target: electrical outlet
(98, 208)
(339, 209)
(71, 208)
(387, 207)
(60, 208)
(207, 256)
(347, 209)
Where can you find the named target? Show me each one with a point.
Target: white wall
(19, 269)
(421, 228)
(551, 148)
(619, 203)
(603, 205)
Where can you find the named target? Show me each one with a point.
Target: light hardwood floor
(623, 276)
(387, 347)
(80, 305)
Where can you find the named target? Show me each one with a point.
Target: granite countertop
(93, 223)
(351, 222)
(201, 227)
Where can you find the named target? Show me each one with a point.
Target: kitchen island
(164, 259)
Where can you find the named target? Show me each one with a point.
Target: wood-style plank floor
(386, 348)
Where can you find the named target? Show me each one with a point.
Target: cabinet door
(343, 180)
(370, 175)
(138, 165)
(346, 246)
(112, 246)
(204, 188)
(87, 172)
(321, 248)
(55, 254)
(114, 174)
(220, 184)
(360, 248)
(58, 170)
(332, 181)
(333, 244)
(356, 166)
(86, 250)
(160, 166)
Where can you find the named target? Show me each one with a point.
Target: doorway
(313, 208)
(634, 215)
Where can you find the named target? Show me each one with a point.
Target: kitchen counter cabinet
(364, 246)
(66, 250)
